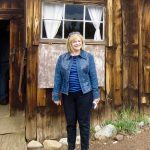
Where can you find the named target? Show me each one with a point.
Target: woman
(76, 79)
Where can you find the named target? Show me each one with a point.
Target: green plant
(141, 117)
(124, 122)
(92, 131)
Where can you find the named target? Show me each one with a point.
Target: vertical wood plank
(144, 58)
(41, 97)
(109, 22)
(31, 120)
(49, 122)
(31, 96)
(106, 111)
(130, 53)
(109, 83)
(41, 93)
(36, 21)
(109, 72)
(117, 21)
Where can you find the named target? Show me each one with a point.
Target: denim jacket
(86, 74)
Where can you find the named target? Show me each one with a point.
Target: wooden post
(31, 31)
(117, 35)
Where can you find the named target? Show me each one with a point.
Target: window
(59, 19)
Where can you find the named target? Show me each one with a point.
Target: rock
(78, 140)
(97, 128)
(149, 120)
(141, 124)
(115, 142)
(119, 137)
(107, 131)
(52, 145)
(34, 144)
(63, 141)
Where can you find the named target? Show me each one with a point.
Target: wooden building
(123, 45)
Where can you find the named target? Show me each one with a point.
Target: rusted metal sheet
(48, 55)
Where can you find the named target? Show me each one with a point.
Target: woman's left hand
(57, 102)
(95, 103)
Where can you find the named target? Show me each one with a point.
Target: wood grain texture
(117, 33)
(12, 131)
(31, 72)
(13, 142)
(126, 66)
(109, 22)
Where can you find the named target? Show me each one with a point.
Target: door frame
(14, 15)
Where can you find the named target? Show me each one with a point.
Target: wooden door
(16, 84)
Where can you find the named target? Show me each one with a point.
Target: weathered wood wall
(41, 113)
(130, 52)
(144, 59)
(11, 4)
(13, 11)
(127, 66)
(32, 10)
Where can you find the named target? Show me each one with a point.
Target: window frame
(63, 40)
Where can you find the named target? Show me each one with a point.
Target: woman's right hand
(57, 102)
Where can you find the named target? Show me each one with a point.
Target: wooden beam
(100, 2)
(7, 14)
(11, 11)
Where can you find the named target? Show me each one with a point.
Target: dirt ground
(140, 141)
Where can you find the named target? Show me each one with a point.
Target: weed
(125, 123)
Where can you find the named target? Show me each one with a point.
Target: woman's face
(76, 44)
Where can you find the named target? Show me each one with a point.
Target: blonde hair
(72, 36)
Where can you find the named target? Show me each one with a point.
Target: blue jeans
(77, 107)
(4, 80)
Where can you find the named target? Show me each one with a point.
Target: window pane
(87, 16)
(71, 26)
(101, 30)
(74, 12)
(43, 31)
(89, 30)
(59, 33)
(102, 17)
